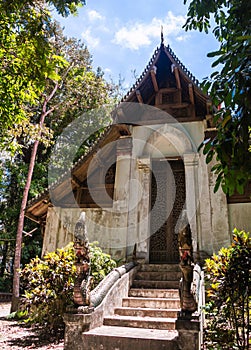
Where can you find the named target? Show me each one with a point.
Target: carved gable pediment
(167, 85)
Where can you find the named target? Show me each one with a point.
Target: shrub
(48, 283)
(48, 286)
(229, 302)
(101, 264)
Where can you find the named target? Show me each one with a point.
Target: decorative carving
(143, 164)
(168, 198)
(187, 300)
(81, 292)
(98, 294)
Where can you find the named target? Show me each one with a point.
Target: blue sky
(122, 36)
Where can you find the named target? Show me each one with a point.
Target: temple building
(146, 174)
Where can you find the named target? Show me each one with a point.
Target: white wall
(128, 221)
(240, 216)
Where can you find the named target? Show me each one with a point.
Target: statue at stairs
(82, 286)
(187, 299)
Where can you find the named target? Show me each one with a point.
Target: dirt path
(17, 336)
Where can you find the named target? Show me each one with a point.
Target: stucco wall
(240, 216)
(127, 223)
(211, 216)
(59, 229)
(102, 227)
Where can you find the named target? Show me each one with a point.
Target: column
(75, 325)
(144, 172)
(192, 199)
(121, 194)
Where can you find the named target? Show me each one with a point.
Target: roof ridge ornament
(162, 37)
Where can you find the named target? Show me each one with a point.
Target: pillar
(144, 178)
(121, 193)
(192, 199)
(75, 325)
(189, 333)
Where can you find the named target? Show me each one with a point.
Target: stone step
(155, 303)
(160, 267)
(158, 275)
(155, 284)
(140, 322)
(146, 312)
(154, 293)
(127, 338)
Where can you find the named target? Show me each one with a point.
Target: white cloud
(94, 15)
(107, 70)
(136, 35)
(90, 39)
(183, 37)
(132, 38)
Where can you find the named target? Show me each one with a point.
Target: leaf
(243, 38)
(215, 53)
(209, 156)
(226, 119)
(218, 182)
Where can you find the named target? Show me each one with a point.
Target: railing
(103, 299)
(198, 290)
(98, 294)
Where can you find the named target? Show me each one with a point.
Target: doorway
(168, 195)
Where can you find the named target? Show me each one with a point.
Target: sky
(122, 36)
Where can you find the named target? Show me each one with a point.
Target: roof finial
(162, 36)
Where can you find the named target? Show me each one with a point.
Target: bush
(229, 302)
(101, 264)
(48, 283)
(48, 286)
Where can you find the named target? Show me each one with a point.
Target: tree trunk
(20, 227)
(18, 249)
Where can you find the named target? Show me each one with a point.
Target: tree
(11, 189)
(71, 88)
(229, 87)
(25, 49)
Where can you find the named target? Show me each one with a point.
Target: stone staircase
(146, 319)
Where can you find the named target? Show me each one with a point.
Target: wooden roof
(168, 85)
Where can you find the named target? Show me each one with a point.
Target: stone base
(75, 325)
(189, 333)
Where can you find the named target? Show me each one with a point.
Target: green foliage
(25, 37)
(63, 7)
(228, 309)
(101, 263)
(23, 40)
(229, 86)
(11, 188)
(48, 283)
(77, 89)
(48, 286)
(66, 7)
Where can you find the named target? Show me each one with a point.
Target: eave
(69, 182)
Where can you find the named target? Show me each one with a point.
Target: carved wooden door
(167, 201)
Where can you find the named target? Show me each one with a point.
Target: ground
(17, 336)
